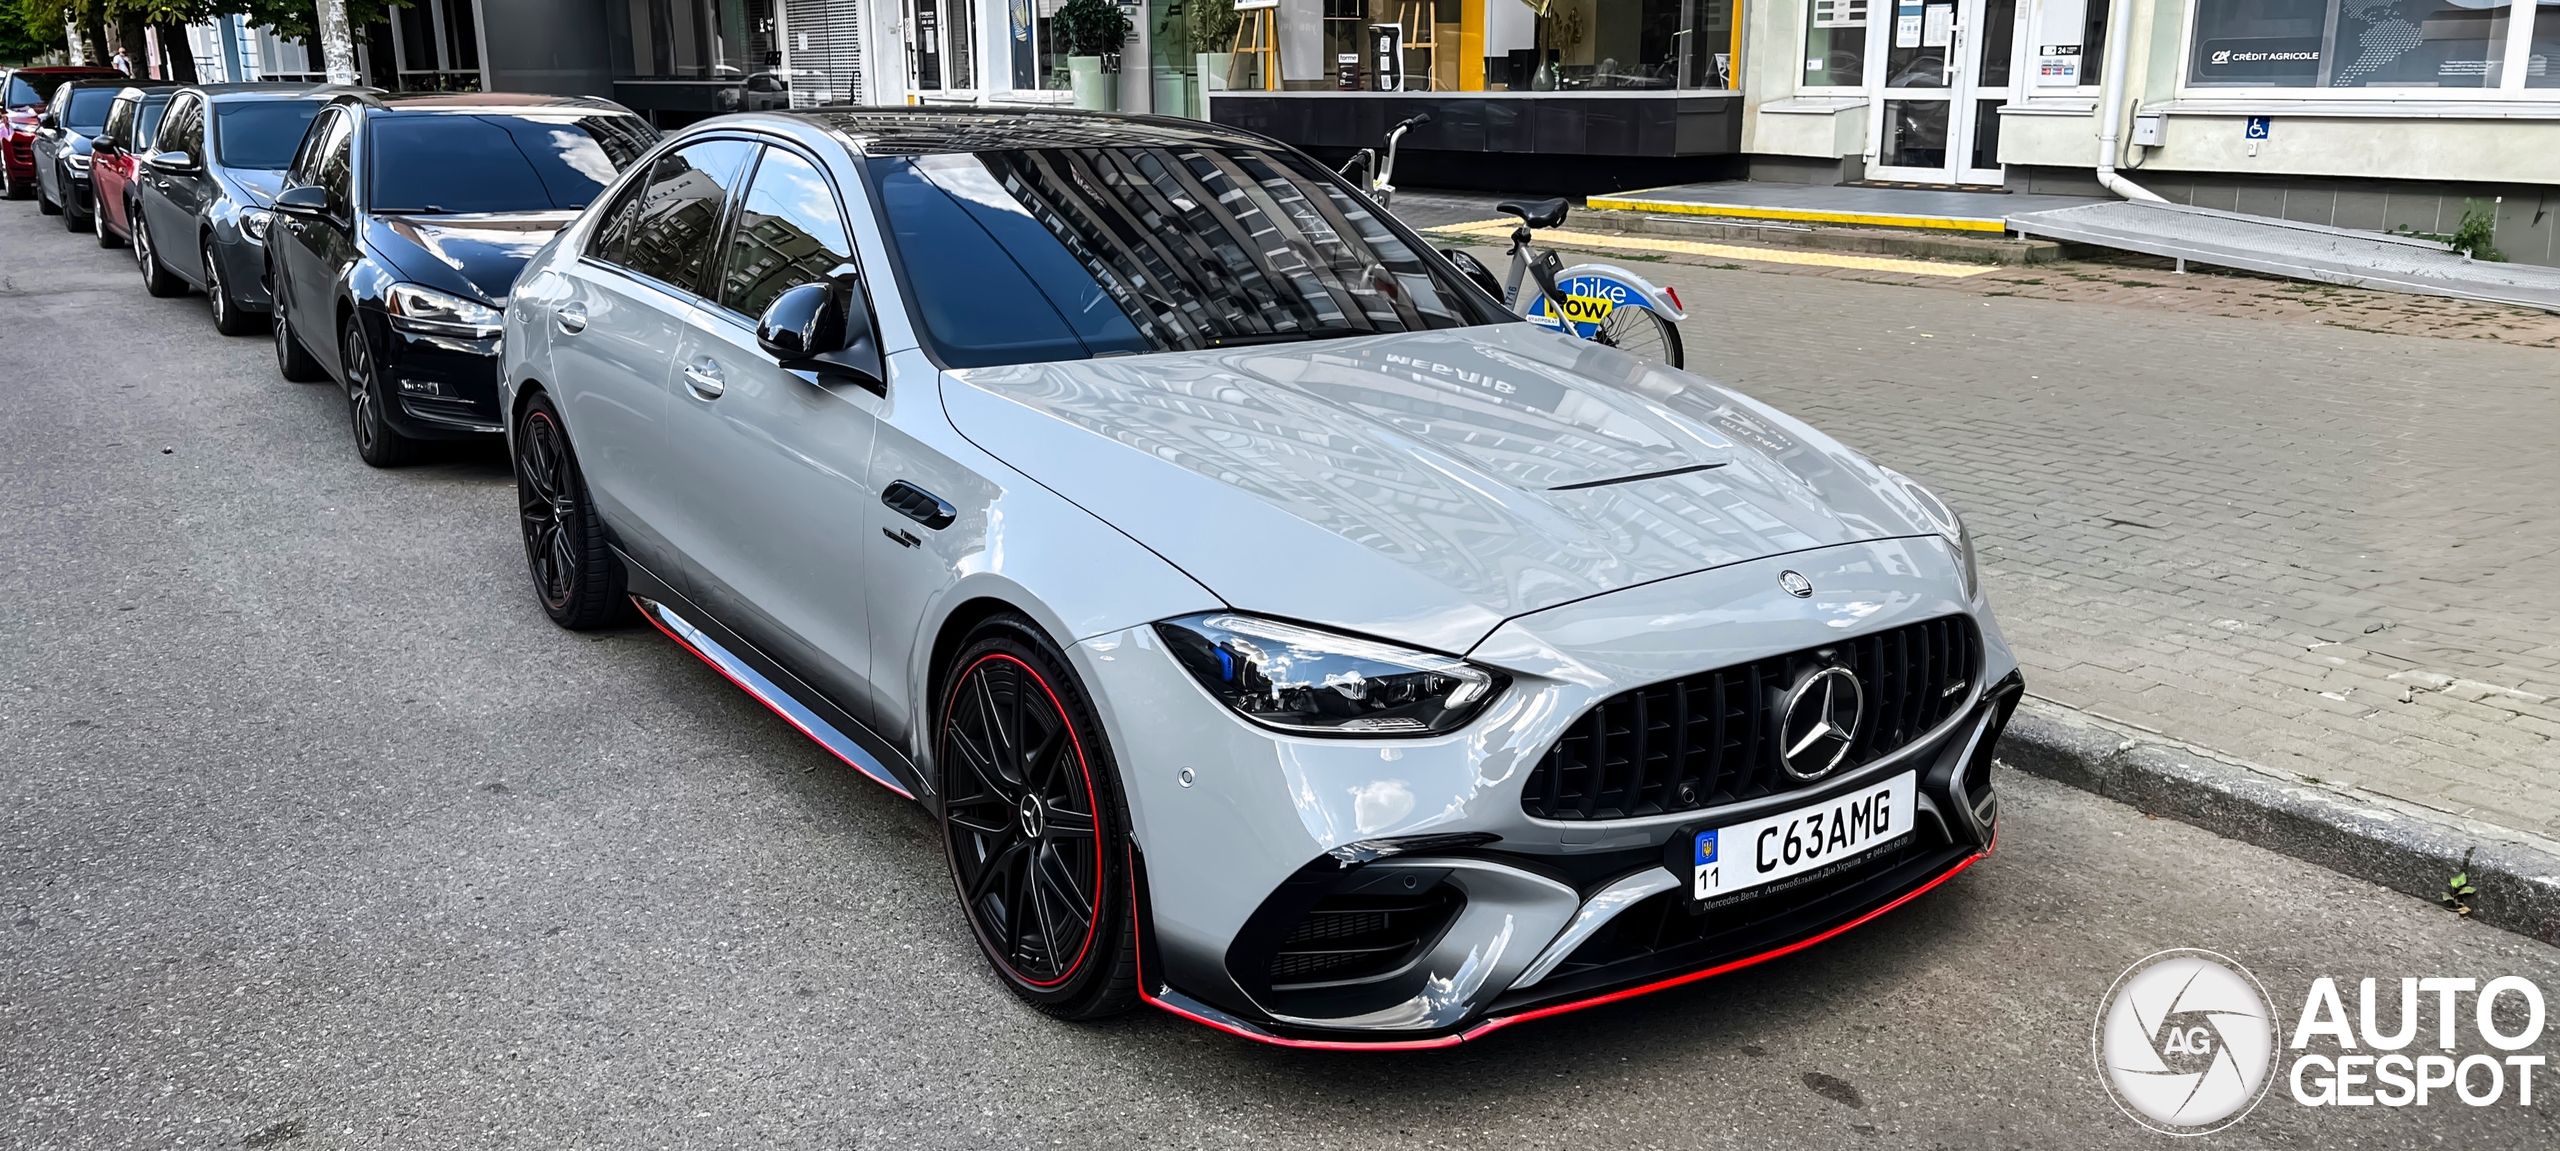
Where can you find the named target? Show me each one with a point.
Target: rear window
(148, 128)
(88, 110)
(446, 162)
(1037, 255)
(260, 134)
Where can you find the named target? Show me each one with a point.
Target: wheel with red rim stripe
(1032, 823)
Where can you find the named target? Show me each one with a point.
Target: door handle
(703, 376)
(572, 318)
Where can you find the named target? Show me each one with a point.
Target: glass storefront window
(1835, 43)
(1038, 62)
(1586, 44)
(2349, 43)
(678, 39)
(2542, 57)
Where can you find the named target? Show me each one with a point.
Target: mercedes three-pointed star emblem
(1818, 722)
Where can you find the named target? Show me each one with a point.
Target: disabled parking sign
(2257, 129)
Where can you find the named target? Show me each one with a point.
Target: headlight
(78, 162)
(418, 309)
(254, 221)
(1308, 682)
(1951, 526)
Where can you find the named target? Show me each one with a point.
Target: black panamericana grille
(1712, 738)
(1349, 937)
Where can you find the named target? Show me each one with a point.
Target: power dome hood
(1423, 487)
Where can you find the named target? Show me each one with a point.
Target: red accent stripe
(757, 696)
(1491, 1025)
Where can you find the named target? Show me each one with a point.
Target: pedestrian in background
(123, 62)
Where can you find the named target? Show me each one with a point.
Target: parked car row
(376, 237)
(1281, 631)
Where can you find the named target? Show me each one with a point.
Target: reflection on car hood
(486, 250)
(259, 184)
(1426, 486)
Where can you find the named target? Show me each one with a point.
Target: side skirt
(772, 684)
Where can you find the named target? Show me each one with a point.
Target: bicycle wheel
(1641, 331)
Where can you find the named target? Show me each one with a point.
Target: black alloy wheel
(377, 442)
(575, 574)
(293, 361)
(1032, 824)
(229, 318)
(73, 219)
(157, 279)
(107, 237)
(10, 189)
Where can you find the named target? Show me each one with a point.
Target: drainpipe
(2111, 104)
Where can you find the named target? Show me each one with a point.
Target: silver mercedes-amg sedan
(1283, 634)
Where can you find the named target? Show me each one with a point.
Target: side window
(119, 123)
(306, 160)
(789, 232)
(182, 129)
(615, 230)
(334, 169)
(680, 211)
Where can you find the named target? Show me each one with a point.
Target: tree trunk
(137, 52)
(337, 41)
(93, 38)
(181, 51)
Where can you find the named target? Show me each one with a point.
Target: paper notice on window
(1906, 26)
(1939, 28)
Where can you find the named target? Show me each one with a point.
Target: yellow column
(1471, 44)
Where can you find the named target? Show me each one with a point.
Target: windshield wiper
(1251, 338)
(426, 210)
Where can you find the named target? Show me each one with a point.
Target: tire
(229, 318)
(293, 361)
(1032, 819)
(576, 576)
(1641, 332)
(157, 279)
(368, 409)
(73, 220)
(10, 189)
(107, 237)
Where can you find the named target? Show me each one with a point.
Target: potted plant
(1093, 31)
(1213, 39)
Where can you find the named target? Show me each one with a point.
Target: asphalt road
(315, 833)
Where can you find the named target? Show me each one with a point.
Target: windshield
(88, 110)
(447, 162)
(260, 134)
(1059, 254)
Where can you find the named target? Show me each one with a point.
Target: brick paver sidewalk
(2210, 509)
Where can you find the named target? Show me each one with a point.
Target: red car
(25, 91)
(115, 158)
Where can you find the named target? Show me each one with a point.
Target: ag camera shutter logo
(2184, 1042)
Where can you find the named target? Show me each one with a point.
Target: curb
(2409, 850)
(1972, 248)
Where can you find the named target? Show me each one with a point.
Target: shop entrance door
(1936, 102)
(941, 43)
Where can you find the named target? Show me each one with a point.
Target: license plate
(1747, 855)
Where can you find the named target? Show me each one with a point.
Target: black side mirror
(47, 120)
(823, 327)
(1474, 269)
(172, 161)
(303, 200)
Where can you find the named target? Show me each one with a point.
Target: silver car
(1283, 634)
